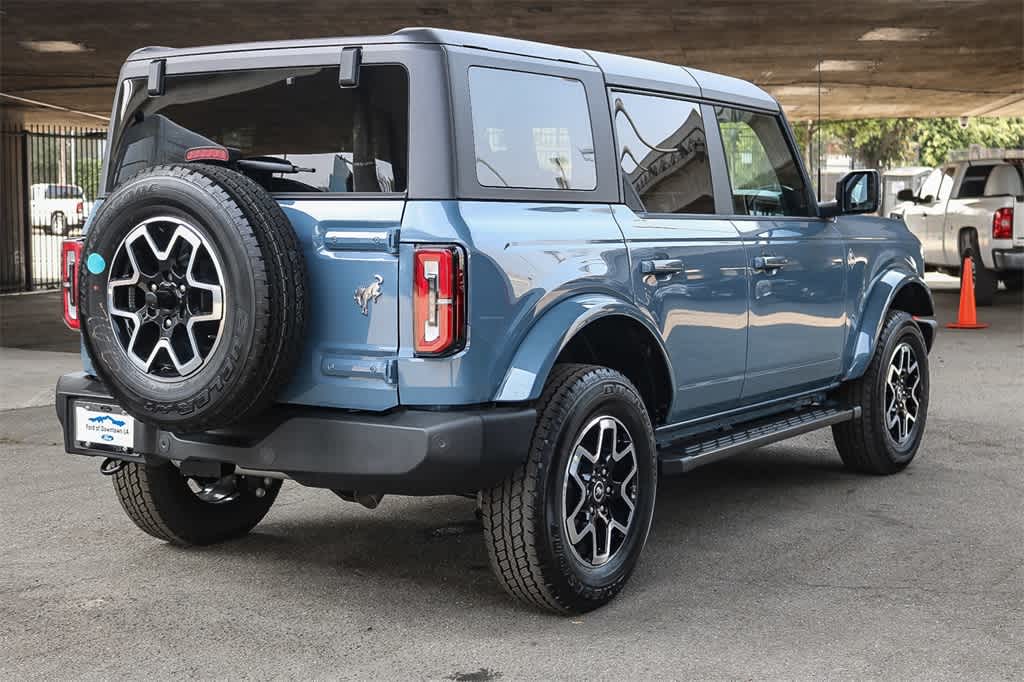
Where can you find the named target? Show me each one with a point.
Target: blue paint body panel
(540, 272)
(700, 313)
(523, 259)
(349, 359)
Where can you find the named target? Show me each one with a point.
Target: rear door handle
(668, 266)
(770, 263)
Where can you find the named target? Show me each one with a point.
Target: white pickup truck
(57, 207)
(973, 209)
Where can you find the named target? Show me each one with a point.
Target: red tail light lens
(79, 208)
(70, 259)
(1002, 224)
(439, 300)
(207, 154)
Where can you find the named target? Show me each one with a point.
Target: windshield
(340, 139)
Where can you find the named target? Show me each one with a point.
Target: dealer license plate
(101, 424)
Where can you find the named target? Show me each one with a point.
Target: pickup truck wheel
(566, 529)
(185, 511)
(985, 282)
(893, 396)
(58, 224)
(193, 298)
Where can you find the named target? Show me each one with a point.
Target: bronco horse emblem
(370, 293)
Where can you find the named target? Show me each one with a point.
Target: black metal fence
(50, 181)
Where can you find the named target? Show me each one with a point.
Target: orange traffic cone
(967, 318)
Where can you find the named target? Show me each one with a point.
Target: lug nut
(152, 287)
(182, 288)
(260, 492)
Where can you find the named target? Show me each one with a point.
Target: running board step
(684, 456)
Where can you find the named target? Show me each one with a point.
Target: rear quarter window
(973, 184)
(531, 131)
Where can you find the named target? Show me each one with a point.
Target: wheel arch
(894, 289)
(593, 329)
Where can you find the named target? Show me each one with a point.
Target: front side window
(531, 131)
(946, 184)
(339, 139)
(765, 175)
(930, 187)
(663, 153)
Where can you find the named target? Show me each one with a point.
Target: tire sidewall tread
(521, 516)
(264, 323)
(863, 443)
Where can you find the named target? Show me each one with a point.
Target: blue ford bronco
(442, 263)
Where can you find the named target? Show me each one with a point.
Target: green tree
(884, 143)
(87, 172)
(936, 137)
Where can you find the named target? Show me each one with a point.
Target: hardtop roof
(618, 69)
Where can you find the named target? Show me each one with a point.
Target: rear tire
(158, 499)
(591, 465)
(985, 282)
(872, 443)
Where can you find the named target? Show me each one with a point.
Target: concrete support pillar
(14, 230)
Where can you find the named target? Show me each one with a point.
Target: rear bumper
(414, 452)
(1008, 259)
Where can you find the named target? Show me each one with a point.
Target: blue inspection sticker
(96, 263)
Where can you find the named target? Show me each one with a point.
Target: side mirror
(857, 192)
(906, 195)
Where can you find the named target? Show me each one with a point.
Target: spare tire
(192, 296)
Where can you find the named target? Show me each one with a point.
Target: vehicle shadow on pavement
(418, 550)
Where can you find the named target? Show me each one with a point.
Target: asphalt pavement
(775, 564)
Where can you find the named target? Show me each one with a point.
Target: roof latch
(348, 75)
(155, 83)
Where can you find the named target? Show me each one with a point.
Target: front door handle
(668, 266)
(770, 263)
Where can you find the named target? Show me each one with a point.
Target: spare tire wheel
(192, 296)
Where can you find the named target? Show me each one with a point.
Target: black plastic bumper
(414, 452)
(1008, 259)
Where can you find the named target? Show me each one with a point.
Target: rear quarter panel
(522, 259)
(976, 214)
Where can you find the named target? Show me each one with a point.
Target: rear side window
(341, 139)
(663, 153)
(765, 175)
(973, 184)
(63, 192)
(531, 131)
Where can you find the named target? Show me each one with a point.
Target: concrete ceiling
(878, 58)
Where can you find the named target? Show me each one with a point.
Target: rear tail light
(70, 259)
(439, 300)
(79, 208)
(1002, 224)
(207, 154)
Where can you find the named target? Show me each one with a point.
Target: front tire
(893, 396)
(161, 502)
(564, 532)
